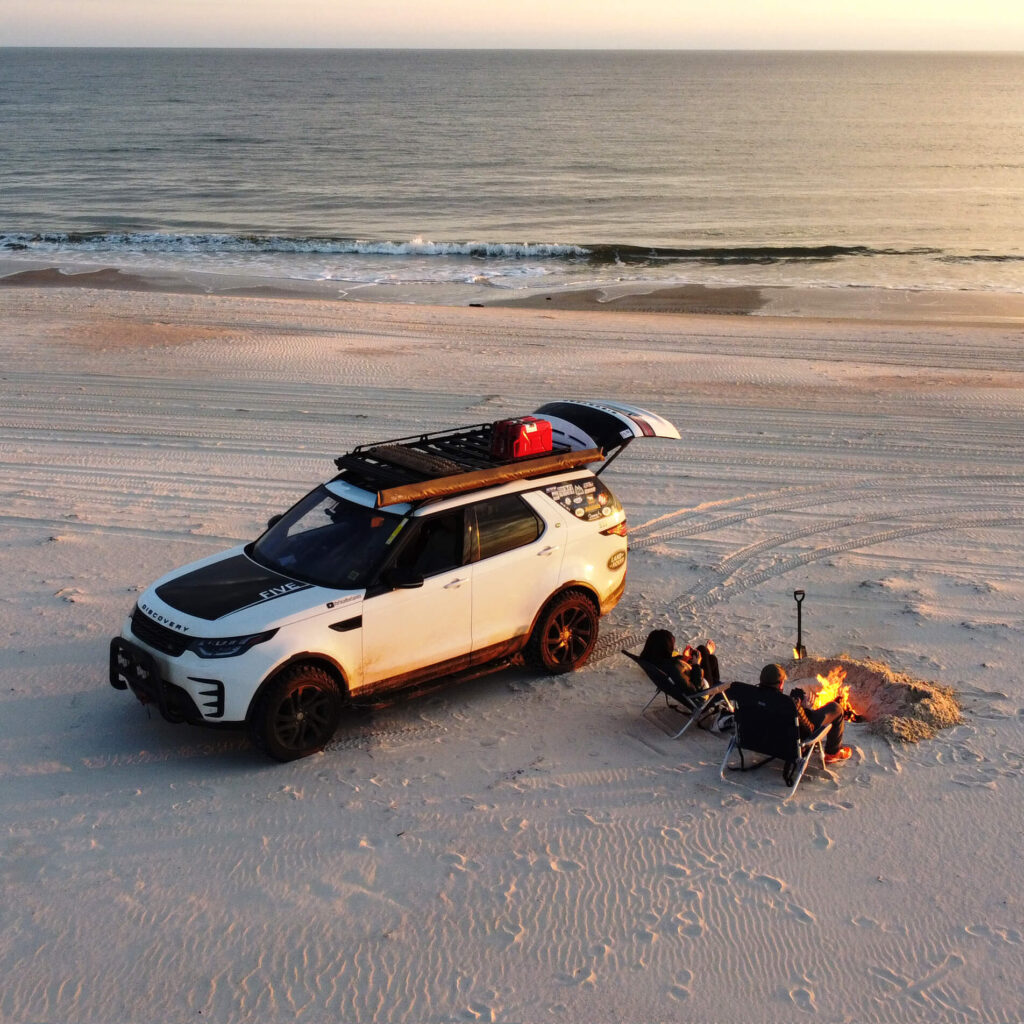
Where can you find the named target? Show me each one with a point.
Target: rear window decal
(588, 500)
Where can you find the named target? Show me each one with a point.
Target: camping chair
(696, 706)
(766, 723)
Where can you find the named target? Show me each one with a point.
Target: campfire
(893, 704)
(833, 687)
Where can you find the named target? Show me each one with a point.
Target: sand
(519, 848)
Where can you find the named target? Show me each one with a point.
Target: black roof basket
(444, 462)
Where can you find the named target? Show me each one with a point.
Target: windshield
(328, 541)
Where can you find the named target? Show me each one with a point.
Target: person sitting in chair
(693, 657)
(772, 678)
(709, 662)
(660, 650)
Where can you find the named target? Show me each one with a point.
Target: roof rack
(445, 462)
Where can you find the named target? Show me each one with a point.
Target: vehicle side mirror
(273, 520)
(403, 579)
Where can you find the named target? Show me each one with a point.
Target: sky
(556, 24)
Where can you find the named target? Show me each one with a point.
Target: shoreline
(798, 302)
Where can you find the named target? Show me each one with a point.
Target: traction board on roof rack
(458, 483)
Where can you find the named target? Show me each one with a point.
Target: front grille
(153, 634)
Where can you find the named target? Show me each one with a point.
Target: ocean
(450, 175)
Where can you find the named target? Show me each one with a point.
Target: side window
(435, 546)
(505, 523)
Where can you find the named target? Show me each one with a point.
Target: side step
(415, 690)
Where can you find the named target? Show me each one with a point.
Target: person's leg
(830, 713)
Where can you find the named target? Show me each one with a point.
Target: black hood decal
(224, 587)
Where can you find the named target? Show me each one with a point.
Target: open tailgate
(609, 426)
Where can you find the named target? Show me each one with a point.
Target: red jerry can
(515, 439)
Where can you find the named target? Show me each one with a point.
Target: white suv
(424, 558)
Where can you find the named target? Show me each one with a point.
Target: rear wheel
(296, 714)
(565, 633)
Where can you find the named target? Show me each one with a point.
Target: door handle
(549, 550)
(454, 583)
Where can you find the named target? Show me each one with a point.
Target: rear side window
(505, 523)
(587, 499)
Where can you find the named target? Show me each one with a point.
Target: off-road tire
(296, 714)
(565, 634)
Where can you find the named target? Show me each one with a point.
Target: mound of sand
(895, 705)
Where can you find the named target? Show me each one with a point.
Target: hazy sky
(641, 24)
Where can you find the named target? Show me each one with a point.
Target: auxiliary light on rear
(619, 530)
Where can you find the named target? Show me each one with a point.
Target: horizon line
(511, 49)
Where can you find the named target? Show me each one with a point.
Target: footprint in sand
(867, 922)
(505, 937)
(983, 780)
(560, 864)
(581, 976)
(828, 807)
(591, 817)
(822, 840)
(680, 988)
(802, 996)
(769, 882)
(800, 913)
(479, 1011)
(457, 862)
(677, 871)
(964, 754)
(773, 887)
(1009, 936)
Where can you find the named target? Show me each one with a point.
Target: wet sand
(903, 305)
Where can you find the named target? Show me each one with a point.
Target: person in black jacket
(660, 650)
(772, 678)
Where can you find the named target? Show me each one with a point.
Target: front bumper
(133, 668)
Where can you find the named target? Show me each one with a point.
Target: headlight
(227, 646)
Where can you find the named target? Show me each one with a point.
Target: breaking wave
(214, 244)
(629, 254)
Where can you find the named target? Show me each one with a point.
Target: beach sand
(520, 848)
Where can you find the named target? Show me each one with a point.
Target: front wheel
(565, 634)
(296, 714)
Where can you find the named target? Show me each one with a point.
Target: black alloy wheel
(297, 714)
(565, 633)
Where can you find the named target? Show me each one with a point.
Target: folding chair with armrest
(697, 706)
(766, 723)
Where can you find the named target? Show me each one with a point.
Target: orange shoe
(840, 755)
